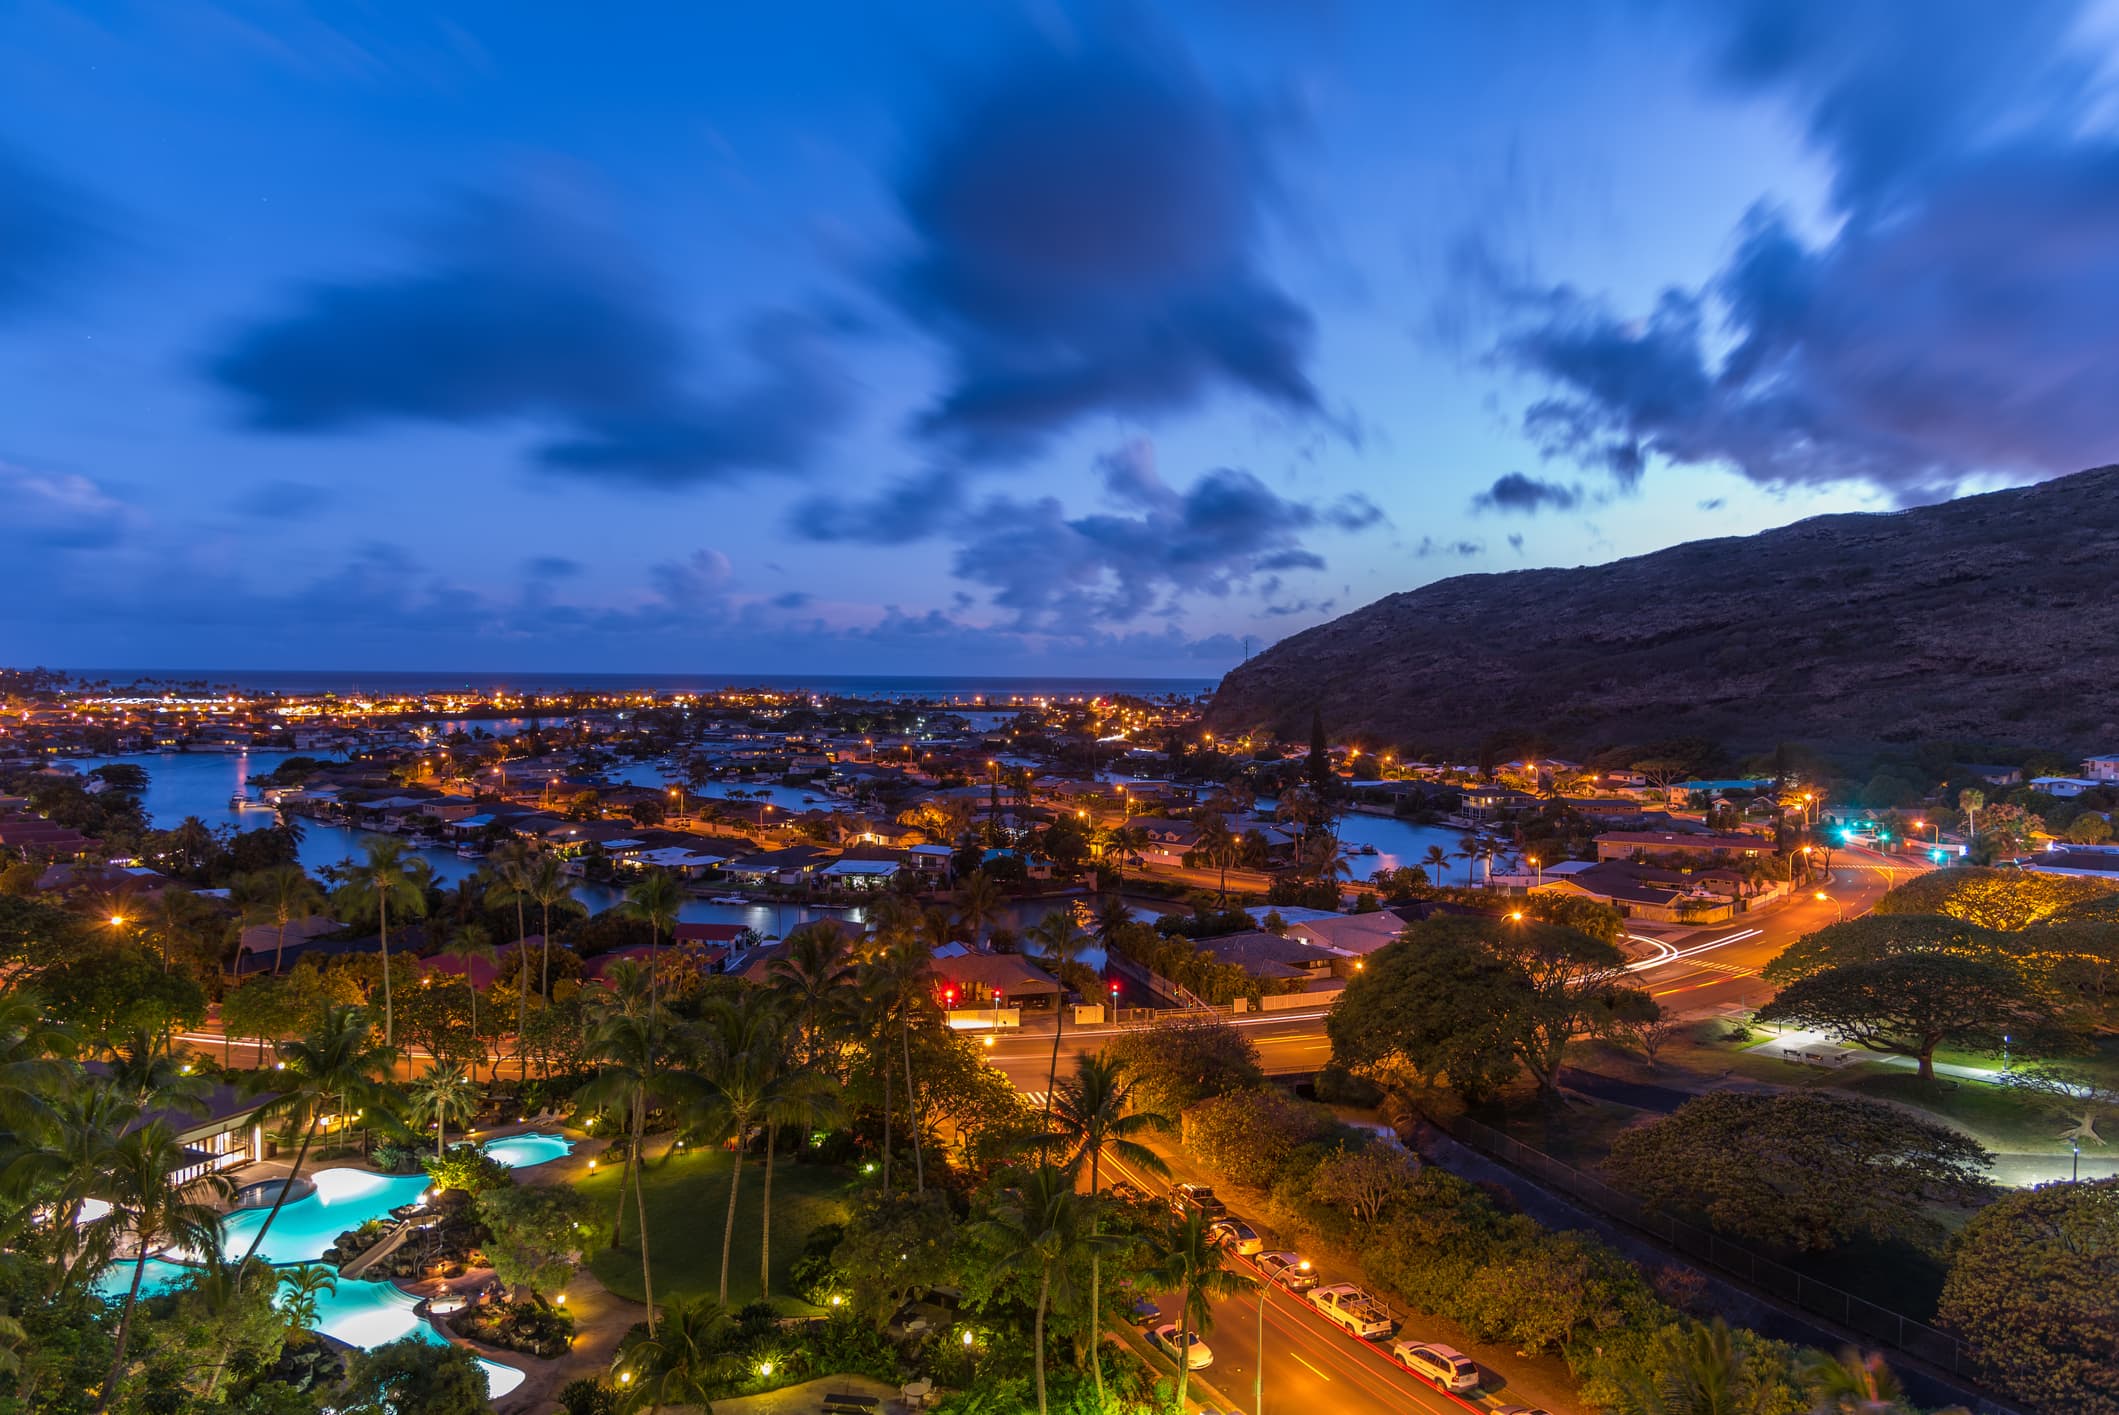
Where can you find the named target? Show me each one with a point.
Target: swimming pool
(360, 1313)
(344, 1198)
(533, 1147)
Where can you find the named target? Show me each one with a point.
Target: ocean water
(934, 689)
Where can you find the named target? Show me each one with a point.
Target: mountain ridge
(1991, 618)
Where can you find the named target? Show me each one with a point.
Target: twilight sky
(998, 338)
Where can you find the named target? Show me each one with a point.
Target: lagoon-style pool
(359, 1313)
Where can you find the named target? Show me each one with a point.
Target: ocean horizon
(945, 687)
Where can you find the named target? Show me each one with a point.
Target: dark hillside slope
(1992, 618)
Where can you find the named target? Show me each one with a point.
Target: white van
(1444, 1366)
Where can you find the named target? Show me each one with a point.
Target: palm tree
(677, 1363)
(1437, 861)
(1855, 1383)
(279, 896)
(1038, 1226)
(1702, 1370)
(1192, 1265)
(1093, 1111)
(978, 899)
(1467, 851)
(812, 975)
(1969, 801)
(470, 946)
(1059, 943)
(65, 1167)
(800, 1100)
(548, 885)
(335, 1070)
(511, 885)
(139, 1182)
(192, 843)
(301, 1298)
(386, 877)
(624, 1045)
(1219, 848)
(655, 899)
(740, 1060)
(895, 981)
(447, 1094)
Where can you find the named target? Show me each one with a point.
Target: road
(1715, 970)
(1310, 1366)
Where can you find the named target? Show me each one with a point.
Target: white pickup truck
(1347, 1306)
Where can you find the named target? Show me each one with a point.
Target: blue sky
(1033, 338)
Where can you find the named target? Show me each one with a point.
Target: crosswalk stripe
(1034, 1099)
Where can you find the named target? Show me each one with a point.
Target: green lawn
(687, 1206)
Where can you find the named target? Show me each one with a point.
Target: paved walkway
(804, 1399)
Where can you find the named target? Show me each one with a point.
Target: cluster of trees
(1427, 1240)
(2006, 963)
(1471, 1003)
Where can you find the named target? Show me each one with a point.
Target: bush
(1251, 1135)
(393, 1158)
(468, 1169)
(588, 1397)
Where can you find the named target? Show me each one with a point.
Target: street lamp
(1534, 864)
(1824, 898)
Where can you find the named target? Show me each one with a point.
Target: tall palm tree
(383, 877)
(678, 1361)
(65, 1169)
(895, 981)
(1854, 1383)
(281, 896)
(510, 864)
(447, 1093)
(192, 843)
(1059, 943)
(469, 946)
(1041, 1226)
(798, 1099)
(1093, 1112)
(656, 899)
(1192, 1264)
(1219, 847)
(978, 899)
(335, 1070)
(740, 1059)
(1467, 851)
(812, 976)
(624, 1046)
(139, 1184)
(548, 885)
(1437, 861)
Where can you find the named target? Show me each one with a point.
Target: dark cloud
(793, 599)
(284, 500)
(906, 509)
(1714, 503)
(1355, 512)
(1209, 538)
(1513, 491)
(47, 231)
(1515, 541)
(1300, 606)
(1087, 235)
(1429, 547)
(517, 311)
(1955, 324)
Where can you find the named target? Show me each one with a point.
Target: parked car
(1291, 1272)
(1353, 1311)
(1142, 1311)
(1187, 1197)
(1198, 1355)
(1237, 1236)
(1439, 1365)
